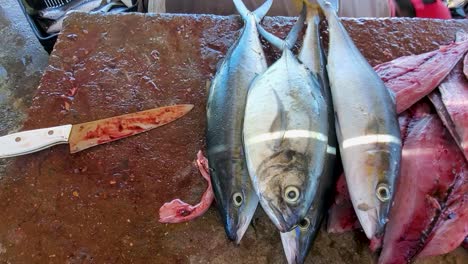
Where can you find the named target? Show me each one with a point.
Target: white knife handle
(30, 141)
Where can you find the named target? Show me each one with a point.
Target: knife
(90, 134)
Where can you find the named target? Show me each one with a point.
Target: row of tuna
(272, 131)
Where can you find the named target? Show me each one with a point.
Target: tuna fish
(297, 243)
(234, 194)
(286, 134)
(366, 127)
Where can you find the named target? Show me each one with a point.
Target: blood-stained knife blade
(90, 134)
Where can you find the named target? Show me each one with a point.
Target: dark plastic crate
(46, 40)
(30, 9)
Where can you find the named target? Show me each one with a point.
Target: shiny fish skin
(366, 127)
(285, 135)
(235, 197)
(298, 242)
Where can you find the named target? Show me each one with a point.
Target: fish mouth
(237, 223)
(241, 229)
(370, 221)
(291, 247)
(282, 223)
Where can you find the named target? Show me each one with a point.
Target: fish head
(235, 196)
(239, 210)
(297, 242)
(372, 198)
(282, 192)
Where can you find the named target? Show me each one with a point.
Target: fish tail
(291, 39)
(262, 10)
(259, 13)
(328, 8)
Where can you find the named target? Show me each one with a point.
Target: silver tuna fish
(285, 134)
(297, 243)
(366, 127)
(235, 197)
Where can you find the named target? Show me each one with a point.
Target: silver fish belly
(285, 139)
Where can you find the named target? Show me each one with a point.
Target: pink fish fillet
(451, 103)
(431, 166)
(451, 228)
(413, 77)
(178, 211)
(341, 214)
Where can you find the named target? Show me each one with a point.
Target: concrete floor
(22, 61)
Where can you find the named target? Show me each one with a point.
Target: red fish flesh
(451, 102)
(413, 77)
(341, 214)
(178, 211)
(423, 200)
(451, 228)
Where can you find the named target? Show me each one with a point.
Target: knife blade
(90, 134)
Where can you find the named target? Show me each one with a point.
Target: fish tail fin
(329, 8)
(296, 29)
(290, 40)
(259, 13)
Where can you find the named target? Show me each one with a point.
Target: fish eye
(237, 199)
(304, 224)
(383, 192)
(291, 194)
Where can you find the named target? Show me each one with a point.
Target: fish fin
(259, 13)
(296, 29)
(262, 10)
(290, 40)
(241, 8)
(329, 8)
(279, 123)
(274, 40)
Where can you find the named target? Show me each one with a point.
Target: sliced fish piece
(431, 165)
(451, 228)
(286, 134)
(235, 197)
(297, 243)
(413, 77)
(366, 126)
(451, 102)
